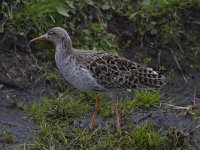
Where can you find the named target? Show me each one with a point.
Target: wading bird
(98, 71)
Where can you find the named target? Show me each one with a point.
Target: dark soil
(16, 88)
(20, 83)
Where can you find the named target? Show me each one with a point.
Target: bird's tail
(149, 77)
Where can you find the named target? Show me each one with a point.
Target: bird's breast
(76, 75)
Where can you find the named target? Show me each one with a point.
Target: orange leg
(115, 105)
(95, 112)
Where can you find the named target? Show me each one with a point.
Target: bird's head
(57, 35)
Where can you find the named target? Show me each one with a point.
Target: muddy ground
(20, 83)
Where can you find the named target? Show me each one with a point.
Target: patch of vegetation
(147, 98)
(61, 126)
(143, 99)
(57, 131)
(167, 24)
(31, 18)
(196, 57)
(96, 38)
(163, 18)
(66, 107)
(105, 110)
(178, 139)
(7, 137)
(131, 137)
(91, 24)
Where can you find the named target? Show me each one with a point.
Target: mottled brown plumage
(115, 72)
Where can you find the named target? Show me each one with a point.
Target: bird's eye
(51, 33)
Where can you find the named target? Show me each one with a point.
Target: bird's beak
(43, 37)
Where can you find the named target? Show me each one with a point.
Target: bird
(99, 71)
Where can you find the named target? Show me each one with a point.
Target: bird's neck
(64, 46)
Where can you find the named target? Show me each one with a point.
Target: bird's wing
(112, 71)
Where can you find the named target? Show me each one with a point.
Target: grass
(137, 137)
(196, 51)
(66, 107)
(162, 18)
(99, 26)
(142, 99)
(89, 23)
(35, 18)
(61, 124)
(7, 137)
(147, 98)
(162, 24)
